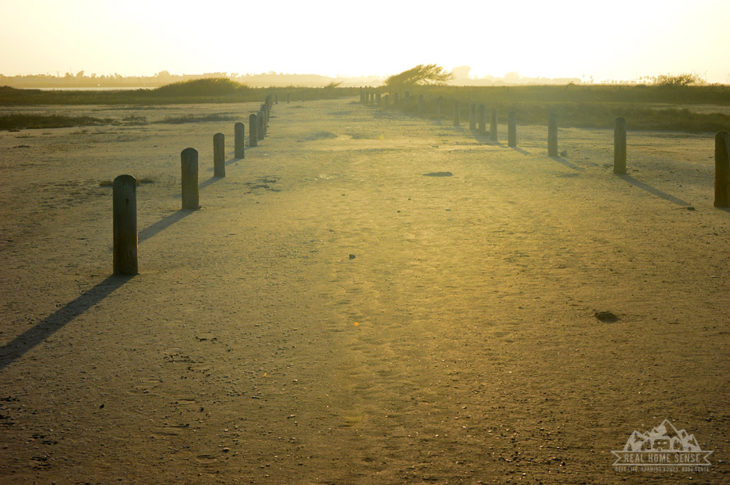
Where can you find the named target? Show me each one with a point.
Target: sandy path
(235, 355)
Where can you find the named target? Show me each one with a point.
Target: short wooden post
(493, 125)
(619, 147)
(722, 169)
(239, 140)
(262, 126)
(456, 113)
(288, 98)
(125, 225)
(219, 155)
(482, 119)
(511, 129)
(276, 99)
(253, 128)
(472, 116)
(552, 135)
(189, 164)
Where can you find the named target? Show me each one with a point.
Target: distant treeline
(218, 90)
(644, 107)
(82, 80)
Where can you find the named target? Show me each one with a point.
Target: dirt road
(365, 298)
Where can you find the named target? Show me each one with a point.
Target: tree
(679, 80)
(422, 74)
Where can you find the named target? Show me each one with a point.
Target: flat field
(366, 297)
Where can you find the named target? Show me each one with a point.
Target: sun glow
(604, 40)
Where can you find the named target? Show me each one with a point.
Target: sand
(333, 315)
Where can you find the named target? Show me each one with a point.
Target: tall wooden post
(619, 147)
(482, 119)
(552, 136)
(253, 128)
(511, 129)
(189, 165)
(239, 140)
(722, 169)
(219, 155)
(125, 225)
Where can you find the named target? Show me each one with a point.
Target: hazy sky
(615, 39)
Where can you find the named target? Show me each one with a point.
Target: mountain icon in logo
(664, 437)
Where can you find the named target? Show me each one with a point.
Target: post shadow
(163, 223)
(652, 190)
(24, 342)
(208, 182)
(485, 138)
(566, 163)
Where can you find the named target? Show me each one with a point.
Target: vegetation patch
(216, 90)
(176, 120)
(30, 121)
(643, 107)
(319, 135)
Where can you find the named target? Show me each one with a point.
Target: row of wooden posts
(126, 238)
(478, 117)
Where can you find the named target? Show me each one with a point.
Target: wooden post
(219, 155)
(189, 164)
(395, 100)
(619, 147)
(456, 113)
(125, 225)
(552, 136)
(472, 116)
(722, 169)
(511, 129)
(276, 99)
(288, 98)
(377, 99)
(493, 125)
(261, 132)
(239, 142)
(253, 128)
(482, 119)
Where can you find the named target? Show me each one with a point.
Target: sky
(605, 40)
